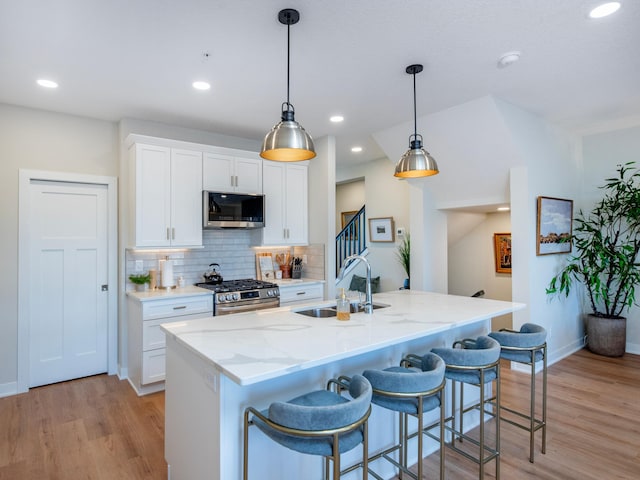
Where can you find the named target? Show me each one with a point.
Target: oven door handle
(222, 309)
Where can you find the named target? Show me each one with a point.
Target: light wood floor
(97, 428)
(93, 428)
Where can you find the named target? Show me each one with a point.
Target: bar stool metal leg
(412, 389)
(474, 362)
(527, 346)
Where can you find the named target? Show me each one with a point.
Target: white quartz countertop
(265, 344)
(186, 291)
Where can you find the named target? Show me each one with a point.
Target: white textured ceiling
(137, 58)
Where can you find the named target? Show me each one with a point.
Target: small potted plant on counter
(607, 242)
(140, 280)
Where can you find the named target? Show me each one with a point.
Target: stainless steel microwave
(232, 210)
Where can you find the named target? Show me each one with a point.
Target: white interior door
(68, 264)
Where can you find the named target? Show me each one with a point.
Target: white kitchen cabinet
(237, 171)
(146, 341)
(286, 203)
(167, 187)
(293, 293)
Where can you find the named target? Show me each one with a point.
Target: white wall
(472, 260)
(386, 196)
(491, 152)
(39, 140)
(602, 152)
(322, 198)
(551, 168)
(350, 197)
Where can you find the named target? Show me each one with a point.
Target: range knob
(236, 296)
(221, 298)
(228, 297)
(269, 293)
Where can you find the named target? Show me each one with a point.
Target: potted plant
(607, 241)
(140, 280)
(404, 257)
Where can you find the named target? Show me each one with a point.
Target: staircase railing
(352, 239)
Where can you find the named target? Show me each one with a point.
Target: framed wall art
(347, 217)
(554, 225)
(381, 229)
(502, 252)
(352, 233)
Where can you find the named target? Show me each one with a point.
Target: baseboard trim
(8, 389)
(633, 348)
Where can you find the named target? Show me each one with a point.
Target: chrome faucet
(368, 303)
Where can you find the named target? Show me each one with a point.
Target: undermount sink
(327, 312)
(356, 308)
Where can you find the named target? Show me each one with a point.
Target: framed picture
(352, 234)
(347, 217)
(264, 263)
(502, 252)
(381, 229)
(554, 229)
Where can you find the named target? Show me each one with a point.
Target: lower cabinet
(300, 292)
(146, 342)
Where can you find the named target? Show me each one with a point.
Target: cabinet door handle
(301, 293)
(173, 234)
(235, 180)
(182, 307)
(168, 238)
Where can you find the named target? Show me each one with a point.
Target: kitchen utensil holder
(286, 271)
(296, 271)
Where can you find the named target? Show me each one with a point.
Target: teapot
(213, 276)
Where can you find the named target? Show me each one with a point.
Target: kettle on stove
(213, 276)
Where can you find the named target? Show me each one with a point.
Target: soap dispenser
(343, 306)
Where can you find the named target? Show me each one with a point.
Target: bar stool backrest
(325, 417)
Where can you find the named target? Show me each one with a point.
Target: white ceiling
(137, 59)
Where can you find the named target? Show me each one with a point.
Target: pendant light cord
(289, 62)
(415, 116)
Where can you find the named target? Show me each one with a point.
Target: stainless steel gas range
(235, 296)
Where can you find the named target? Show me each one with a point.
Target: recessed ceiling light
(337, 118)
(604, 10)
(356, 149)
(199, 85)
(508, 58)
(43, 82)
(503, 209)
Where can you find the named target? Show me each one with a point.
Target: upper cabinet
(235, 172)
(166, 184)
(286, 199)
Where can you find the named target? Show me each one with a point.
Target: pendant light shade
(416, 162)
(288, 141)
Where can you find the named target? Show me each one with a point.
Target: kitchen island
(217, 368)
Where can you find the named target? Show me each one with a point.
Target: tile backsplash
(233, 250)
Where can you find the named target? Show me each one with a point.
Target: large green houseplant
(606, 242)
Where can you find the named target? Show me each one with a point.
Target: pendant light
(416, 162)
(288, 141)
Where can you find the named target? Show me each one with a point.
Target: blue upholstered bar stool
(474, 362)
(415, 387)
(322, 422)
(527, 346)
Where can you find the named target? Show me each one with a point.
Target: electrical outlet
(139, 266)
